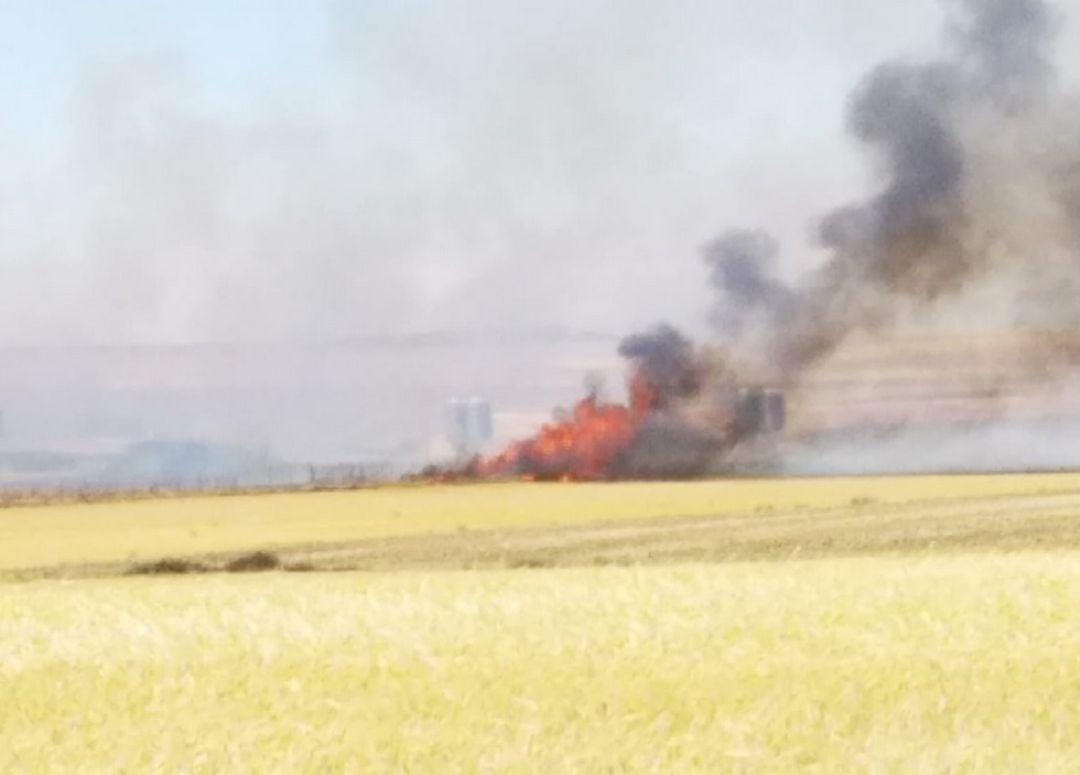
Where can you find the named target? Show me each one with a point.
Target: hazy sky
(289, 170)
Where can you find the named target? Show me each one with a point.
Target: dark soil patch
(254, 563)
(169, 566)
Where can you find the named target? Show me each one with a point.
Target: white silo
(468, 424)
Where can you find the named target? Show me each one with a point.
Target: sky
(322, 170)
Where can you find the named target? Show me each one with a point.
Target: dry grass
(953, 649)
(107, 535)
(945, 664)
(969, 525)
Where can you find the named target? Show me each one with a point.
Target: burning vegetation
(665, 428)
(587, 445)
(980, 188)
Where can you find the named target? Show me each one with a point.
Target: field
(858, 625)
(510, 524)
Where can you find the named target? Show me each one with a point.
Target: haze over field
(473, 385)
(301, 177)
(280, 172)
(302, 403)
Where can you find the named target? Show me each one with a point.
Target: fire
(582, 447)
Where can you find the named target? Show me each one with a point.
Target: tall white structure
(468, 425)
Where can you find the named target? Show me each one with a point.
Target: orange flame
(582, 447)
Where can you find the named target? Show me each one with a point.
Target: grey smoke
(903, 112)
(1007, 42)
(992, 447)
(978, 161)
(741, 265)
(977, 156)
(455, 165)
(667, 359)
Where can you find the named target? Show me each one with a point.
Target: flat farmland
(909, 664)
(455, 525)
(924, 624)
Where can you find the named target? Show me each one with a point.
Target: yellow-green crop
(138, 530)
(943, 664)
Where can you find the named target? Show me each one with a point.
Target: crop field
(846, 625)
(452, 525)
(847, 665)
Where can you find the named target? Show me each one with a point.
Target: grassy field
(119, 533)
(944, 664)
(884, 625)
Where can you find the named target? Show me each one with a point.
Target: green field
(883, 625)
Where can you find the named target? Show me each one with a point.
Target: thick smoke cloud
(667, 360)
(903, 113)
(741, 264)
(1007, 42)
(975, 155)
(909, 238)
(978, 197)
(941, 134)
(412, 166)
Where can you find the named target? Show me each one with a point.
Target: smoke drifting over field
(948, 137)
(667, 362)
(978, 155)
(189, 173)
(494, 167)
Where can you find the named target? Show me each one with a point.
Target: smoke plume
(741, 263)
(668, 363)
(941, 133)
(977, 178)
(978, 158)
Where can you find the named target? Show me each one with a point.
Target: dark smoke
(975, 180)
(903, 112)
(979, 165)
(668, 446)
(668, 361)
(936, 131)
(741, 263)
(1007, 44)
